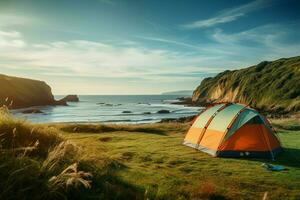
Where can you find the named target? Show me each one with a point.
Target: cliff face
(20, 92)
(268, 86)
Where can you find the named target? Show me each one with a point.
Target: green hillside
(269, 86)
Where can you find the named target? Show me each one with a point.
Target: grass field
(97, 161)
(153, 159)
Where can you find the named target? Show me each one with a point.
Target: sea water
(112, 109)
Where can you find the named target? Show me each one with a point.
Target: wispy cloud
(265, 42)
(174, 42)
(89, 58)
(116, 62)
(86, 58)
(11, 39)
(91, 64)
(12, 20)
(228, 15)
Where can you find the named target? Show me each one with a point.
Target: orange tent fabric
(233, 130)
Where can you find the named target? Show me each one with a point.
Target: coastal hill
(21, 93)
(269, 86)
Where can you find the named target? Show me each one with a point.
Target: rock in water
(70, 98)
(163, 111)
(126, 111)
(32, 111)
(179, 120)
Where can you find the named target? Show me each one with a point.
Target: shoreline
(107, 109)
(292, 120)
(144, 118)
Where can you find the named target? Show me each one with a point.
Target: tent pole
(268, 143)
(272, 129)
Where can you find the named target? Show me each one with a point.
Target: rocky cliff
(269, 86)
(21, 92)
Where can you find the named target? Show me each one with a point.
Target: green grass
(97, 161)
(165, 169)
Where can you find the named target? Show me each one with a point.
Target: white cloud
(264, 42)
(84, 58)
(76, 64)
(88, 67)
(213, 21)
(12, 20)
(156, 39)
(94, 59)
(228, 15)
(11, 39)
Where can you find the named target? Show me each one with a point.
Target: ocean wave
(171, 101)
(129, 120)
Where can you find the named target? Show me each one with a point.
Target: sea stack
(70, 98)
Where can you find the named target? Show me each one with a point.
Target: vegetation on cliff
(269, 86)
(18, 92)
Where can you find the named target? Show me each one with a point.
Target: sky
(141, 46)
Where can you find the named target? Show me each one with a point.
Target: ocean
(112, 109)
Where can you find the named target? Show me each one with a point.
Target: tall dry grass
(36, 162)
(289, 123)
(17, 134)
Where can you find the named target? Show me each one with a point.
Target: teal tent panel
(242, 119)
(204, 117)
(224, 117)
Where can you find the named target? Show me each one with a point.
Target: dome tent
(232, 130)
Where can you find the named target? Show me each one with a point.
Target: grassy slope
(270, 86)
(155, 160)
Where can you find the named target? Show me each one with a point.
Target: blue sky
(139, 46)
